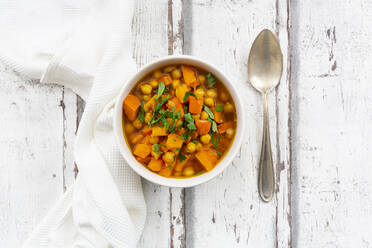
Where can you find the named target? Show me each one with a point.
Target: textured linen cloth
(83, 45)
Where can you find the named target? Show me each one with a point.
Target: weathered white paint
(331, 123)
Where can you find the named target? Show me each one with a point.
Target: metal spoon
(265, 65)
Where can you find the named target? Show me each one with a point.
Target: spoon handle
(266, 169)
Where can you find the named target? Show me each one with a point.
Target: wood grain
(332, 135)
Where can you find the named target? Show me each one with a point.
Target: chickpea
(146, 97)
(188, 172)
(190, 147)
(157, 74)
(154, 139)
(196, 116)
(169, 157)
(146, 89)
(201, 79)
(224, 96)
(176, 83)
(155, 154)
(229, 108)
(137, 124)
(154, 84)
(178, 123)
(212, 93)
(230, 133)
(209, 101)
(148, 117)
(204, 115)
(129, 129)
(169, 69)
(176, 74)
(199, 146)
(199, 92)
(205, 139)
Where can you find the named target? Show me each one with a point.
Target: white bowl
(127, 154)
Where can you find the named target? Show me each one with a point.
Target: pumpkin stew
(179, 121)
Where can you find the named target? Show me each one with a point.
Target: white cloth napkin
(83, 45)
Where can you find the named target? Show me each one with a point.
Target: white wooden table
(321, 130)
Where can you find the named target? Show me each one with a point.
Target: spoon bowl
(265, 66)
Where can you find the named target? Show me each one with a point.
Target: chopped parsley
(194, 141)
(214, 126)
(161, 89)
(156, 149)
(141, 113)
(219, 153)
(189, 93)
(181, 157)
(190, 122)
(211, 80)
(219, 108)
(215, 139)
(209, 112)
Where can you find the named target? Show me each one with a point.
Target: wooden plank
(157, 32)
(332, 135)
(227, 211)
(32, 154)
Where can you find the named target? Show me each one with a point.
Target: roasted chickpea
(148, 117)
(146, 89)
(176, 83)
(190, 147)
(228, 108)
(199, 92)
(224, 96)
(209, 101)
(169, 157)
(146, 97)
(169, 69)
(188, 172)
(129, 129)
(154, 139)
(157, 74)
(137, 124)
(230, 133)
(154, 84)
(205, 139)
(204, 115)
(199, 146)
(212, 93)
(201, 79)
(176, 74)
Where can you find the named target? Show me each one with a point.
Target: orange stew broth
(179, 121)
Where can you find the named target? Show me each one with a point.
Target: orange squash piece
(181, 91)
(174, 141)
(147, 130)
(195, 105)
(179, 165)
(189, 76)
(155, 164)
(174, 102)
(165, 172)
(137, 138)
(131, 106)
(224, 126)
(142, 150)
(203, 126)
(166, 79)
(159, 131)
(218, 116)
(207, 158)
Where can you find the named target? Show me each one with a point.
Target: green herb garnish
(194, 141)
(219, 108)
(156, 149)
(181, 157)
(219, 153)
(190, 122)
(141, 113)
(211, 80)
(189, 93)
(209, 112)
(214, 126)
(215, 139)
(161, 89)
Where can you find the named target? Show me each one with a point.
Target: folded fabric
(83, 45)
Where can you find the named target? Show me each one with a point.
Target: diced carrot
(189, 76)
(165, 79)
(165, 172)
(147, 130)
(155, 164)
(131, 106)
(203, 126)
(218, 116)
(207, 158)
(142, 150)
(181, 91)
(195, 105)
(179, 165)
(224, 126)
(150, 103)
(174, 141)
(137, 138)
(174, 102)
(159, 131)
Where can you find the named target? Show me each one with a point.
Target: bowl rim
(127, 154)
